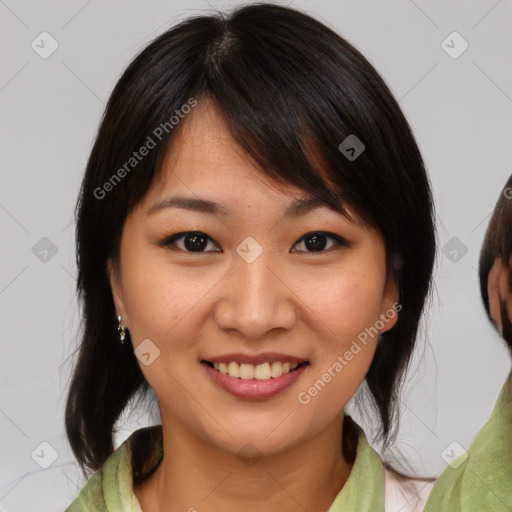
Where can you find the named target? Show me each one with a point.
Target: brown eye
(316, 241)
(192, 241)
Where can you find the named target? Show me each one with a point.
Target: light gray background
(459, 109)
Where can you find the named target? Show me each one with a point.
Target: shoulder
(384, 488)
(111, 487)
(481, 477)
(405, 494)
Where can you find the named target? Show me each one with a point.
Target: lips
(253, 388)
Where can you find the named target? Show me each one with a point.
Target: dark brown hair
(498, 244)
(284, 82)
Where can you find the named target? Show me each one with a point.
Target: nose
(256, 299)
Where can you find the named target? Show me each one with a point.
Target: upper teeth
(249, 371)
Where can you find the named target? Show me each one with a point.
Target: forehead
(204, 160)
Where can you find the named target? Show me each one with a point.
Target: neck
(196, 475)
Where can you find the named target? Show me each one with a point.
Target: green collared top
(481, 479)
(110, 489)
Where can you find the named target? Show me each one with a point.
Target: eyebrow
(297, 207)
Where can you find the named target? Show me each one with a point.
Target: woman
(256, 224)
(481, 479)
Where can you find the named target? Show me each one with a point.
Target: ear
(114, 276)
(390, 305)
(498, 289)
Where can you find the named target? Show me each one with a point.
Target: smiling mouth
(265, 371)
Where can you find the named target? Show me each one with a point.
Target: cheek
(343, 314)
(159, 299)
(166, 301)
(166, 305)
(347, 304)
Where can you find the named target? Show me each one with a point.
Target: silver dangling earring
(122, 330)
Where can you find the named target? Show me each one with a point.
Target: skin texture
(499, 289)
(198, 305)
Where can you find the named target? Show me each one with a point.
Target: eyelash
(339, 241)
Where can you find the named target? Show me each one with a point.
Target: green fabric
(483, 481)
(110, 489)
(364, 489)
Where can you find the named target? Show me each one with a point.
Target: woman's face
(251, 285)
